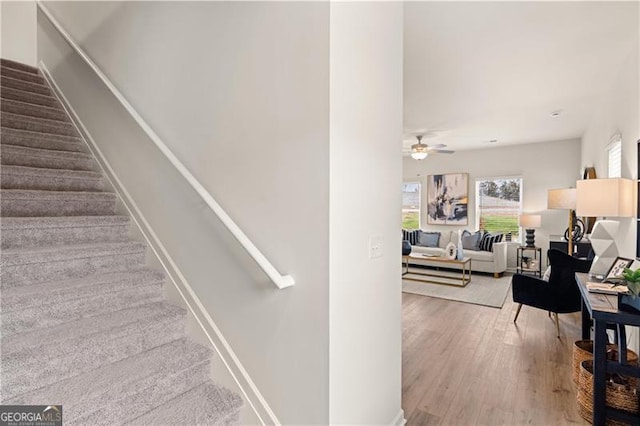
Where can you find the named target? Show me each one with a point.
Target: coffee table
(436, 276)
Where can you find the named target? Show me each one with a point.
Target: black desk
(603, 309)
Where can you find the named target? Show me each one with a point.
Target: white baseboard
(399, 420)
(252, 396)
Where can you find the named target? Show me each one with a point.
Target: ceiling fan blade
(437, 146)
(441, 151)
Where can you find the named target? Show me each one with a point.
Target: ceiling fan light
(419, 151)
(419, 155)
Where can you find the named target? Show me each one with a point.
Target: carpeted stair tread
(49, 304)
(24, 177)
(41, 264)
(116, 393)
(34, 110)
(20, 256)
(13, 155)
(26, 202)
(65, 230)
(61, 222)
(21, 75)
(27, 86)
(39, 358)
(53, 292)
(206, 404)
(8, 63)
(51, 142)
(29, 97)
(36, 124)
(57, 338)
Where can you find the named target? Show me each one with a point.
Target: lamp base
(604, 245)
(530, 238)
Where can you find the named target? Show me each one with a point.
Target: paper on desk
(606, 288)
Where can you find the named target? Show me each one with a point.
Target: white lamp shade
(530, 221)
(562, 199)
(605, 197)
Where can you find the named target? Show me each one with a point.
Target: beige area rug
(482, 290)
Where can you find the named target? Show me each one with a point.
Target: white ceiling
(476, 71)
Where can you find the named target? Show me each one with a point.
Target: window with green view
(498, 204)
(411, 205)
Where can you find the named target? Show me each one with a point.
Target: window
(411, 205)
(614, 154)
(498, 204)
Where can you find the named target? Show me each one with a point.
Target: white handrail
(281, 281)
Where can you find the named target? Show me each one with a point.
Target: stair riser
(21, 75)
(29, 97)
(44, 144)
(25, 85)
(231, 419)
(18, 66)
(32, 208)
(16, 136)
(33, 273)
(10, 158)
(200, 405)
(50, 183)
(38, 125)
(88, 302)
(154, 392)
(24, 373)
(40, 237)
(36, 111)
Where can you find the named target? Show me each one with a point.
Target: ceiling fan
(420, 151)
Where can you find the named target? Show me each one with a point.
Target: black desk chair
(560, 294)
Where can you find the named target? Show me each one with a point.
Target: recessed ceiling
(479, 71)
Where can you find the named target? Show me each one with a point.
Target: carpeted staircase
(83, 320)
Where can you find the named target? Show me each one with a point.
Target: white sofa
(494, 262)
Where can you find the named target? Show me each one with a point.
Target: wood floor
(465, 364)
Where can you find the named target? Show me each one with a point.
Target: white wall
(365, 164)
(18, 31)
(240, 93)
(542, 166)
(618, 113)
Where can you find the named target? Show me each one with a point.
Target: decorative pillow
(445, 238)
(429, 239)
(471, 241)
(411, 236)
(488, 240)
(480, 236)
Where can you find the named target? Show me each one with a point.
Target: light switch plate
(376, 246)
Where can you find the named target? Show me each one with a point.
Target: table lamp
(530, 222)
(605, 198)
(564, 199)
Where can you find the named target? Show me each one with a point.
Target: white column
(365, 212)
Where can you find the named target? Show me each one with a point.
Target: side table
(533, 266)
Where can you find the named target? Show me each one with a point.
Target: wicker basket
(583, 351)
(620, 396)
